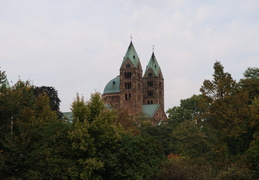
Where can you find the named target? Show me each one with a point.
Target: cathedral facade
(135, 92)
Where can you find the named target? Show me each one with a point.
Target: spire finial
(153, 47)
(130, 37)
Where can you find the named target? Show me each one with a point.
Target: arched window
(128, 65)
(150, 74)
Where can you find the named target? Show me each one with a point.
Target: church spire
(153, 65)
(131, 55)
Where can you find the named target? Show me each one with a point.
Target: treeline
(213, 135)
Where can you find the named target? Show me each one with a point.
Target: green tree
(225, 109)
(162, 135)
(2, 78)
(54, 100)
(79, 109)
(93, 135)
(189, 109)
(135, 157)
(12, 102)
(34, 143)
(190, 141)
(251, 73)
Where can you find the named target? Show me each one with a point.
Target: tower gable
(131, 58)
(153, 67)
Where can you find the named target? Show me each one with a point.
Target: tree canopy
(212, 135)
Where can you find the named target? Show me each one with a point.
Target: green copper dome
(113, 86)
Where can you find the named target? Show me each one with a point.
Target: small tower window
(127, 74)
(127, 85)
(127, 96)
(150, 74)
(128, 65)
(150, 83)
(150, 102)
(133, 56)
(150, 92)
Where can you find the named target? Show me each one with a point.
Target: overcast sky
(77, 46)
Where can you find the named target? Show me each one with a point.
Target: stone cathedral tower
(131, 82)
(136, 93)
(153, 83)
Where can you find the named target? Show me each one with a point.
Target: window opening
(127, 85)
(127, 74)
(149, 83)
(150, 92)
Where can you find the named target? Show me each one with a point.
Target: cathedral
(137, 93)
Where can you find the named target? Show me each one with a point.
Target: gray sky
(77, 46)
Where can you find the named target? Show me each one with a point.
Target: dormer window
(133, 56)
(127, 65)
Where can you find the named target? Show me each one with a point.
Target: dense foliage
(213, 135)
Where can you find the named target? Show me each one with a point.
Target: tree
(221, 87)
(79, 109)
(27, 150)
(54, 100)
(250, 83)
(34, 143)
(225, 109)
(135, 157)
(189, 109)
(161, 135)
(251, 73)
(12, 102)
(94, 134)
(2, 77)
(190, 141)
